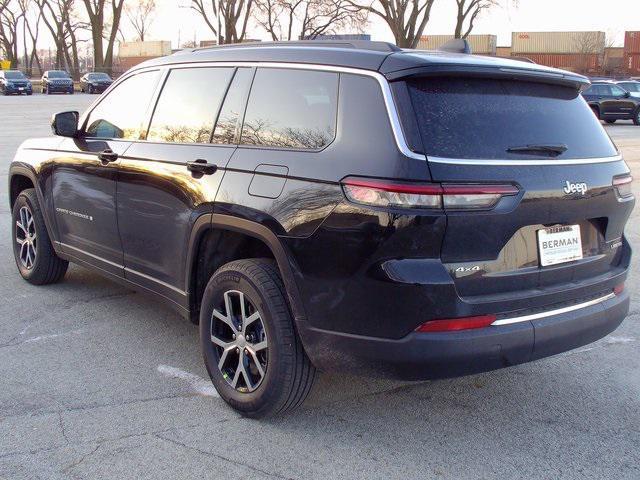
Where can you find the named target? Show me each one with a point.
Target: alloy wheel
(26, 237)
(240, 341)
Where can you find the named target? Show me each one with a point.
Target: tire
(287, 371)
(611, 120)
(29, 93)
(636, 117)
(90, 89)
(46, 267)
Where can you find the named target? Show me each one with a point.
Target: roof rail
(456, 45)
(356, 44)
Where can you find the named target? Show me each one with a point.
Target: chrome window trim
(525, 163)
(390, 105)
(550, 313)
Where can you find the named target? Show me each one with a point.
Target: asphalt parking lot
(97, 381)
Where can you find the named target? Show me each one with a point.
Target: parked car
(56, 81)
(611, 102)
(631, 86)
(14, 82)
(360, 209)
(95, 82)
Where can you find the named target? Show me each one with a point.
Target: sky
(175, 21)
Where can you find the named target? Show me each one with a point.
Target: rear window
(483, 118)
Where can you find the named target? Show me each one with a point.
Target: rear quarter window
(291, 109)
(482, 118)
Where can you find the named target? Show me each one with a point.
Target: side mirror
(626, 95)
(65, 124)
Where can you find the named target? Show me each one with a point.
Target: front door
(85, 174)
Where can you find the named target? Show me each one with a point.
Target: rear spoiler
(567, 79)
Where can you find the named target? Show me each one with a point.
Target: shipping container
(576, 62)
(557, 42)
(125, 63)
(480, 44)
(632, 64)
(156, 48)
(631, 42)
(613, 65)
(503, 51)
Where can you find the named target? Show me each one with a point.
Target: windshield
(14, 76)
(99, 76)
(630, 86)
(499, 119)
(58, 74)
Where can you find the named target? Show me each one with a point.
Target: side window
(231, 113)
(120, 114)
(291, 109)
(617, 91)
(188, 105)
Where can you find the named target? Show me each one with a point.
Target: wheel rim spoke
(239, 340)
(26, 237)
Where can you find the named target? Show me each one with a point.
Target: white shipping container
(557, 42)
(155, 48)
(480, 44)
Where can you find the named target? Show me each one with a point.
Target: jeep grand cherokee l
(339, 206)
(56, 81)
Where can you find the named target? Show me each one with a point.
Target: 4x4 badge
(580, 188)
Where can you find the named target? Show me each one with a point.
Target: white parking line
(197, 384)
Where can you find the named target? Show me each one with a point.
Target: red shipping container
(576, 62)
(631, 42)
(632, 64)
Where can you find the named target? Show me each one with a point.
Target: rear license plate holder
(559, 244)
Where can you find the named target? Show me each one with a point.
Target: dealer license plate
(559, 245)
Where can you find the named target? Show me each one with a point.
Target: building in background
(631, 54)
(131, 54)
(480, 44)
(581, 52)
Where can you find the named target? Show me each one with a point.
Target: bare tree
(101, 28)
(588, 45)
(227, 19)
(467, 12)
(407, 19)
(141, 15)
(307, 19)
(10, 16)
(31, 18)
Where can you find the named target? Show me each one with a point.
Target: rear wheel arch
(219, 239)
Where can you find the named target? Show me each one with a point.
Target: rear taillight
(623, 185)
(456, 324)
(389, 193)
(618, 289)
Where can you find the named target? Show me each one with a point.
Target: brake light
(389, 193)
(618, 289)
(456, 324)
(623, 185)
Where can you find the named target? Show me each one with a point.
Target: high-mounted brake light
(623, 185)
(456, 324)
(389, 193)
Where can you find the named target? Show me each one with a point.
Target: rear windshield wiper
(549, 149)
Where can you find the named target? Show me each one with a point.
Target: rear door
(160, 196)
(544, 140)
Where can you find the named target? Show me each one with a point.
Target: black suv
(340, 206)
(611, 102)
(14, 82)
(95, 82)
(57, 81)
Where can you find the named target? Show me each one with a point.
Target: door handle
(202, 167)
(107, 156)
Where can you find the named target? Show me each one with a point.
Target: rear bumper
(420, 356)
